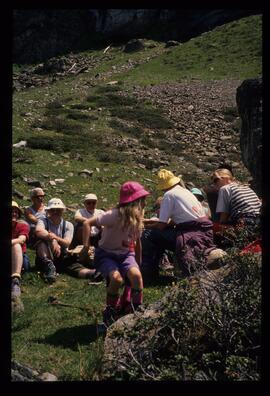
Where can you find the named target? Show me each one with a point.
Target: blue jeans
(26, 263)
(154, 244)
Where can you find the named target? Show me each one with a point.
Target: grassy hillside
(71, 117)
(77, 123)
(233, 50)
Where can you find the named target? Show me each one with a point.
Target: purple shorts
(106, 262)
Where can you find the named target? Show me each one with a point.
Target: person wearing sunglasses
(35, 212)
(55, 235)
(90, 210)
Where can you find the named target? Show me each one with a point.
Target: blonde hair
(223, 172)
(131, 215)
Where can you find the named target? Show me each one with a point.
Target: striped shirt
(239, 201)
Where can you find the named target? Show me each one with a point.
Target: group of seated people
(182, 226)
(44, 229)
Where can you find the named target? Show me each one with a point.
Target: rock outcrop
(42, 34)
(120, 349)
(22, 373)
(249, 102)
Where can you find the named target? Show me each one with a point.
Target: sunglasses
(216, 179)
(39, 196)
(90, 202)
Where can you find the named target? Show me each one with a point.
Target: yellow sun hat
(166, 179)
(15, 205)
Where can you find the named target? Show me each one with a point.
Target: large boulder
(199, 323)
(120, 350)
(249, 102)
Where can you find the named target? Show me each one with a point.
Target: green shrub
(211, 334)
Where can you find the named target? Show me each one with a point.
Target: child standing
(118, 254)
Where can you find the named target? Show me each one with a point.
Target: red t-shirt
(20, 229)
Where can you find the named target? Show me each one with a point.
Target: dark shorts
(73, 269)
(106, 262)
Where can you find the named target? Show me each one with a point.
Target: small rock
(52, 183)
(112, 82)
(35, 183)
(47, 377)
(171, 43)
(86, 172)
(148, 180)
(59, 180)
(22, 143)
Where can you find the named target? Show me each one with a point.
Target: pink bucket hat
(131, 191)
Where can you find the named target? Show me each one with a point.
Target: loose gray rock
(22, 373)
(22, 143)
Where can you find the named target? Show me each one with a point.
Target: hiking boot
(98, 277)
(215, 259)
(16, 302)
(165, 264)
(50, 272)
(15, 288)
(110, 315)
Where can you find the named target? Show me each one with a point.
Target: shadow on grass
(161, 280)
(70, 337)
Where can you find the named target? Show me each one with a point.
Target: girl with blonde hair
(118, 254)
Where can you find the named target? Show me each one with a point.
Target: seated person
(200, 197)
(34, 212)
(166, 260)
(211, 192)
(89, 210)
(20, 232)
(237, 203)
(190, 239)
(55, 235)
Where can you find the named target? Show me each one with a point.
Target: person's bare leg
(86, 273)
(17, 260)
(43, 251)
(135, 277)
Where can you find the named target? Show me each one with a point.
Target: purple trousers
(194, 241)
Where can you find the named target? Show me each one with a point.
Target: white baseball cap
(89, 197)
(55, 203)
